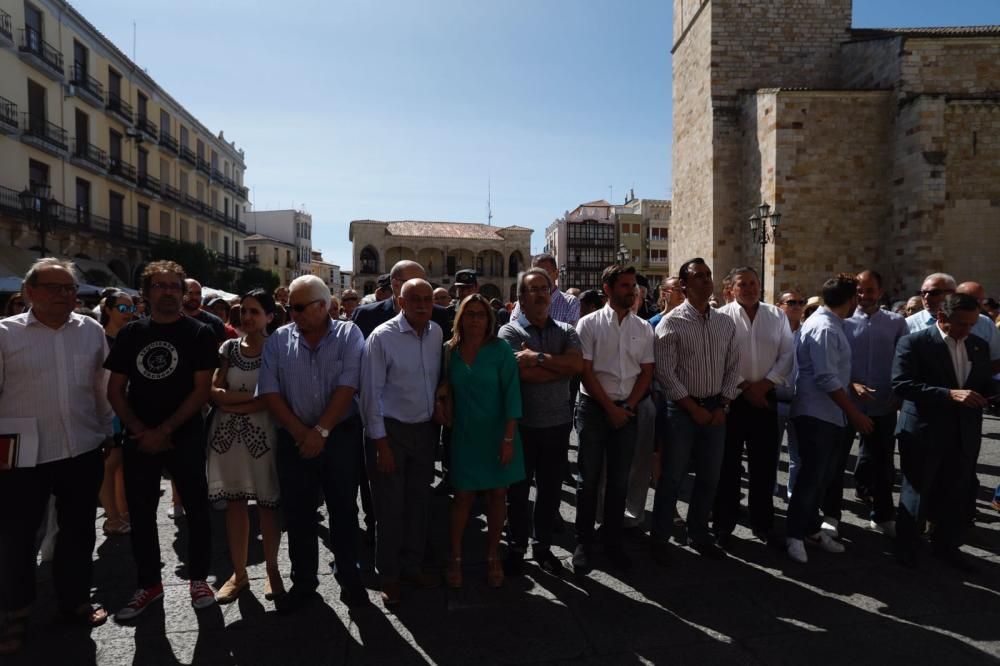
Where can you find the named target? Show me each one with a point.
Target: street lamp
(623, 255)
(35, 204)
(759, 222)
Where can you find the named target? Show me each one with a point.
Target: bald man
(399, 373)
(985, 328)
(369, 317)
(442, 297)
(192, 308)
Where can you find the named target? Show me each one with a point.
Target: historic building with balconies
(497, 254)
(98, 162)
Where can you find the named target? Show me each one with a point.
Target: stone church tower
(863, 139)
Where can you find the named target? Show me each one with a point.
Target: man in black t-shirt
(161, 374)
(192, 308)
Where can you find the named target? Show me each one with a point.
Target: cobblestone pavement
(754, 607)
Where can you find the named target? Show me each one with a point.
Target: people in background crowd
(563, 307)
(117, 309)
(16, 304)
(348, 302)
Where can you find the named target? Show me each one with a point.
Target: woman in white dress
(241, 439)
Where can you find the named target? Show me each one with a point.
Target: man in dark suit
(943, 375)
(368, 317)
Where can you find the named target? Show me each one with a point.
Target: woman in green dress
(486, 454)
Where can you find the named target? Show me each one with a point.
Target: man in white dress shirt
(767, 351)
(51, 375)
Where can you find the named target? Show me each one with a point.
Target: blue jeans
(601, 443)
(684, 436)
(335, 470)
(819, 446)
(785, 424)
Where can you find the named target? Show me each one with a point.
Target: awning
(84, 265)
(15, 261)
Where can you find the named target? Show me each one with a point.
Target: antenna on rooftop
(489, 201)
(133, 42)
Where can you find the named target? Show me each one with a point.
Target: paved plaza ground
(756, 607)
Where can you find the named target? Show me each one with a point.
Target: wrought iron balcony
(172, 193)
(192, 203)
(121, 169)
(149, 183)
(217, 175)
(90, 153)
(147, 127)
(86, 86)
(229, 184)
(8, 115)
(188, 156)
(119, 107)
(252, 260)
(167, 141)
(49, 56)
(6, 31)
(37, 128)
(244, 192)
(204, 166)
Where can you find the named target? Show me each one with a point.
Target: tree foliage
(253, 277)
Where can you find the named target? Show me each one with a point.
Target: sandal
(86, 615)
(453, 576)
(231, 589)
(494, 572)
(116, 527)
(12, 632)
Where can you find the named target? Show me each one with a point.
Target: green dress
(486, 395)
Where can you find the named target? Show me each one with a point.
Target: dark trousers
(545, 451)
(335, 472)
(600, 444)
(757, 430)
(402, 499)
(24, 496)
(833, 496)
(875, 472)
(937, 477)
(819, 445)
(186, 465)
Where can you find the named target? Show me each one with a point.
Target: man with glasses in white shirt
(51, 375)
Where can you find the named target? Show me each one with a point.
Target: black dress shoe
(295, 600)
(549, 563)
(661, 553)
(617, 557)
(513, 564)
(708, 549)
(954, 558)
(355, 596)
(725, 541)
(581, 560)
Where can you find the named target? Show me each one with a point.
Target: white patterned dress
(241, 461)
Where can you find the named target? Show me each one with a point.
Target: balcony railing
(204, 166)
(144, 124)
(8, 113)
(148, 182)
(230, 261)
(252, 260)
(229, 184)
(192, 203)
(43, 130)
(119, 106)
(217, 175)
(244, 192)
(81, 79)
(167, 140)
(120, 168)
(32, 42)
(90, 153)
(5, 25)
(188, 156)
(171, 192)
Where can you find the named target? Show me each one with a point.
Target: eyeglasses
(121, 307)
(56, 288)
(794, 302)
(933, 293)
(301, 307)
(166, 286)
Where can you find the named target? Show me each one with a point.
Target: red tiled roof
(599, 202)
(466, 230)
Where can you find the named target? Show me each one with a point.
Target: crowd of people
(293, 399)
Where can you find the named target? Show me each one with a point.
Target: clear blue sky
(404, 109)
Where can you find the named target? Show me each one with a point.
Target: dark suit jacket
(922, 375)
(371, 316)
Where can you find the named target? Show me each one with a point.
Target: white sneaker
(822, 540)
(887, 527)
(830, 526)
(175, 511)
(796, 550)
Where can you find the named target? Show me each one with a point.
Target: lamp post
(35, 204)
(623, 255)
(759, 222)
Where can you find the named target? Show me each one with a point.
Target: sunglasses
(937, 292)
(301, 307)
(794, 302)
(121, 307)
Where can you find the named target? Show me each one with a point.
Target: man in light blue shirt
(400, 370)
(821, 409)
(310, 372)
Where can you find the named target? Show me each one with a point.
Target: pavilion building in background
(97, 161)
(497, 254)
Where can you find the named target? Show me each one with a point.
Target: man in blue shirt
(872, 333)
(309, 374)
(821, 409)
(400, 371)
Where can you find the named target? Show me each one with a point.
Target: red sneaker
(202, 594)
(141, 600)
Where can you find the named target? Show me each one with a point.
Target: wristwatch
(321, 430)
(540, 358)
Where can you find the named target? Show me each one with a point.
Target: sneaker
(141, 600)
(581, 560)
(823, 540)
(796, 550)
(831, 527)
(887, 527)
(175, 511)
(202, 595)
